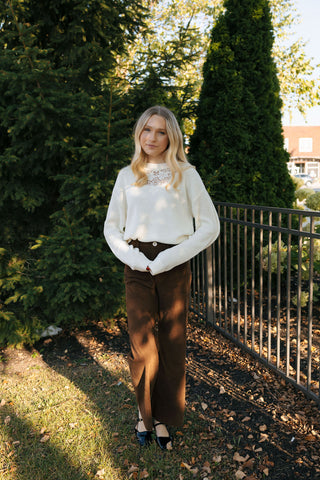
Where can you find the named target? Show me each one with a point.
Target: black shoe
(163, 442)
(144, 438)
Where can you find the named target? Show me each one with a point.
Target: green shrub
(313, 202)
(303, 193)
(274, 257)
(20, 301)
(297, 182)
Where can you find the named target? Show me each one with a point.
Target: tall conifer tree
(238, 143)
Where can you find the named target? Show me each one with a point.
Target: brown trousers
(157, 308)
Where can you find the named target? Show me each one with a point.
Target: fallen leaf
(263, 428)
(7, 420)
(144, 474)
(216, 458)
(222, 391)
(45, 438)
(268, 463)
(204, 406)
(240, 475)
(206, 467)
(266, 471)
(239, 458)
(310, 438)
(133, 468)
(246, 419)
(263, 437)
(257, 449)
(249, 463)
(194, 471)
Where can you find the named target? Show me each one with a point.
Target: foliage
(238, 143)
(161, 67)
(21, 297)
(276, 254)
(313, 201)
(298, 84)
(64, 133)
(303, 193)
(297, 182)
(189, 23)
(271, 257)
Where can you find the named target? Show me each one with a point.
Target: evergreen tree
(63, 136)
(238, 143)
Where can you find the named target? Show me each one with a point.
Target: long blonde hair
(175, 156)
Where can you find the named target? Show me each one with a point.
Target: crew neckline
(156, 166)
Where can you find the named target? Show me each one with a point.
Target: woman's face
(154, 139)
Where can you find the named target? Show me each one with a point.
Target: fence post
(209, 289)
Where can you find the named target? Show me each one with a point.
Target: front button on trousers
(157, 308)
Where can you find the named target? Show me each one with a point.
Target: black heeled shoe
(163, 442)
(144, 438)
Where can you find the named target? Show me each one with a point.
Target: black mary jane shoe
(163, 442)
(144, 438)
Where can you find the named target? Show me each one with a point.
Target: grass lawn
(67, 412)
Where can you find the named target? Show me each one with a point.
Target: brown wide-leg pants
(157, 308)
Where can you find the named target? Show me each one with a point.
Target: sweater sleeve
(114, 227)
(207, 228)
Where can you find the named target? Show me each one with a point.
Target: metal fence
(259, 284)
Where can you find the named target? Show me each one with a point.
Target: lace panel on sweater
(159, 177)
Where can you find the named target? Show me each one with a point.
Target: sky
(309, 31)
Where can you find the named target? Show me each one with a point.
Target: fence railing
(259, 285)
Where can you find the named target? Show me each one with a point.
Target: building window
(286, 144)
(305, 145)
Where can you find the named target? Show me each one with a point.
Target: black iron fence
(259, 285)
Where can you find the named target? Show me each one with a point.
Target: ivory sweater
(154, 213)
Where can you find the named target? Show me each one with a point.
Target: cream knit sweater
(154, 213)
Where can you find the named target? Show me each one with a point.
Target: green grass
(76, 423)
(67, 412)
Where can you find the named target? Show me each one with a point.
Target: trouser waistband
(150, 249)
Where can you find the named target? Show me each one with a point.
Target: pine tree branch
(23, 42)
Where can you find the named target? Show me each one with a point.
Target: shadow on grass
(27, 462)
(108, 399)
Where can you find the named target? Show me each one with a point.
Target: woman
(156, 202)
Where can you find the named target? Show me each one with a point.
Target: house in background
(303, 145)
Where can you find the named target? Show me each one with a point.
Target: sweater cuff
(156, 267)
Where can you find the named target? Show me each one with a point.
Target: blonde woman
(156, 202)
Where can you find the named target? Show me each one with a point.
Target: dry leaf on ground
(240, 474)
